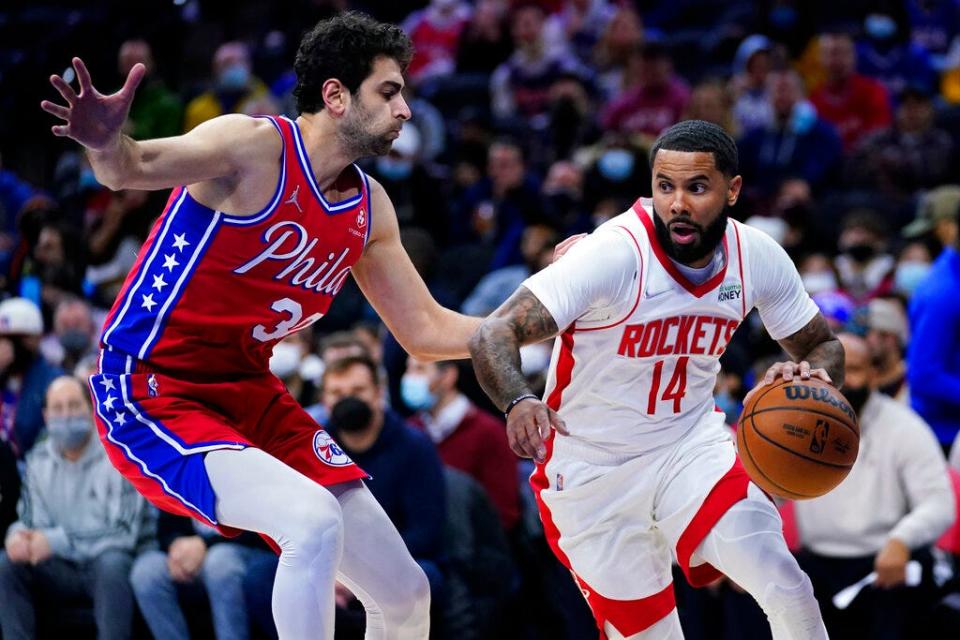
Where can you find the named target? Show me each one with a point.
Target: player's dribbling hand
(92, 119)
(529, 424)
(788, 371)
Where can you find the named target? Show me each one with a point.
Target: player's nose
(403, 110)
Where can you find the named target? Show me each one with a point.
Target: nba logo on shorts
(361, 218)
(329, 451)
(819, 439)
(153, 387)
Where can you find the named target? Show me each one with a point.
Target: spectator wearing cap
(938, 218)
(933, 357)
(852, 102)
(80, 525)
(910, 155)
(892, 507)
(751, 65)
(467, 438)
(796, 143)
(657, 97)
(24, 374)
(887, 339)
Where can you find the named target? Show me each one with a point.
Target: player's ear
(733, 190)
(336, 97)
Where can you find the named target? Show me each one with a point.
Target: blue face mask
(235, 77)
(69, 433)
(880, 27)
(908, 275)
(394, 169)
(802, 118)
(416, 394)
(616, 165)
(729, 405)
(88, 180)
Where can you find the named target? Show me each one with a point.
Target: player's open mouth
(682, 233)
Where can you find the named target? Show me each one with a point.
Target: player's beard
(357, 136)
(705, 245)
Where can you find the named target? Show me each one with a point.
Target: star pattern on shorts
(148, 302)
(180, 241)
(159, 283)
(120, 417)
(108, 403)
(107, 384)
(170, 262)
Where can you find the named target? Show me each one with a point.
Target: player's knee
(789, 588)
(407, 602)
(314, 526)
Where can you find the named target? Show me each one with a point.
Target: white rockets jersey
(636, 366)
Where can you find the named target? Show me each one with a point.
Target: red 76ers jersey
(211, 293)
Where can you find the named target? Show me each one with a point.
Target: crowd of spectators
(532, 122)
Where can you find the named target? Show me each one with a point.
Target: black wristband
(518, 400)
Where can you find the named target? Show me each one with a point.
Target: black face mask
(861, 252)
(707, 244)
(857, 396)
(350, 414)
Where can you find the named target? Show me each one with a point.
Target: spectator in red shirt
(435, 32)
(854, 103)
(657, 99)
(466, 437)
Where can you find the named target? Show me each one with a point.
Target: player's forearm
(443, 337)
(830, 357)
(112, 164)
(495, 349)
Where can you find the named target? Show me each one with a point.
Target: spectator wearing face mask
(795, 143)
(466, 437)
(24, 374)
(74, 334)
(913, 266)
(235, 90)
(406, 474)
(885, 53)
(866, 269)
(299, 369)
(80, 525)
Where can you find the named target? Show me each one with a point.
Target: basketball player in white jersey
(635, 467)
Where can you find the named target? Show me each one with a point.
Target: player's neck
(321, 144)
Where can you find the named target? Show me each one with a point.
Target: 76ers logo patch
(361, 218)
(329, 451)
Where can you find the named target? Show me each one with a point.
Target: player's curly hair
(344, 47)
(700, 136)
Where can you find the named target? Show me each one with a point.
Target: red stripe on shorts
(729, 490)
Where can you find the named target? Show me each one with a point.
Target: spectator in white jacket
(892, 507)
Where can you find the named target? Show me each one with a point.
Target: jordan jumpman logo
(293, 199)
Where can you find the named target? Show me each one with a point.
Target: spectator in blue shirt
(933, 358)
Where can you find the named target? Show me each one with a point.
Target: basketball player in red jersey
(267, 218)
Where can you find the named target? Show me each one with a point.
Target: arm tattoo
(495, 347)
(816, 344)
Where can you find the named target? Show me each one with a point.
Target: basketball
(798, 439)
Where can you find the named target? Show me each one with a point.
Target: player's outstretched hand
(528, 425)
(91, 118)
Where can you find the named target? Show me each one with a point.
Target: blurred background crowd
(532, 121)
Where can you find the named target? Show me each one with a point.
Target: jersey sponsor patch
(329, 451)
(729, 292)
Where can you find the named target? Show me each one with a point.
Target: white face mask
(819, 281)
(285, 360)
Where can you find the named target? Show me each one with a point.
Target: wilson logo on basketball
(819, 440)
(802, 392)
